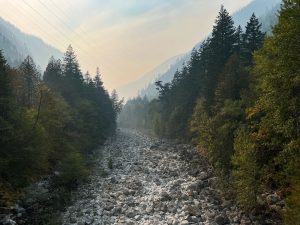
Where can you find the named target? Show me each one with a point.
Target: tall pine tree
(53, 74)
(31, 80)
(252, 39)
(5, 89)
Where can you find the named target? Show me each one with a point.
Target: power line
(63, 34)
(67, 17)
(47, 21)
(70, 28)
(54, 14)
(42, 30)
(87, 53)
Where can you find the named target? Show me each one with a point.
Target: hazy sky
(125, 38)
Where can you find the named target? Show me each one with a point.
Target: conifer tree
(5, 89)
(273, 120)
(252, 39)
(239, 39)
(277, 71)
(221, 47)
(97, 80)
(71, 67)
(53, 73)
(31, 81)
(230, 82)
(223, 38)
(116, 102)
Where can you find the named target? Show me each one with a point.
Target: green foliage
(53, 73)
(175, 126)
(30, 85)
(73, 170)
(5, 92)
(24, 151)
(245, 169)
(292, 216)
(50, 125)
(278, 105)
(24, 147)
(201, 128)
(215, 134)
(238, 101)
(266, 155)
(252, 39)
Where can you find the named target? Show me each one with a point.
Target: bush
(73, 170)
(292, 213)
(245, 170)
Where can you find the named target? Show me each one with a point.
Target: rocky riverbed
(150, 181)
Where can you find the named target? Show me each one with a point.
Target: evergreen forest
(238, 101)
(218, 144)
(49, 124)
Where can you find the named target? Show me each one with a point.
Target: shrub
(73, 170)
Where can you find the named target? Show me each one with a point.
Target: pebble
(152, 182)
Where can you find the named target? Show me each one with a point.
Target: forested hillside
(238, 101)
(49, 126)
(266, 11)
(16, 45)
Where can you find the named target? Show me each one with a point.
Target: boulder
(130, 213)
(203, 175)
(272, 199)
(222, 220)
(164, 196)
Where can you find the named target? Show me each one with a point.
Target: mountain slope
(16, 45)
(259, 7)
(264, 9)
(131, 89)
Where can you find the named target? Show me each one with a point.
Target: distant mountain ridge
(16, 45)
(264, 9)
(132, 89)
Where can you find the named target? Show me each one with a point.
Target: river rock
(155, 182)
(222, 220)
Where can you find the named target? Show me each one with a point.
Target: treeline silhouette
(49, 125)
(238, 100)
